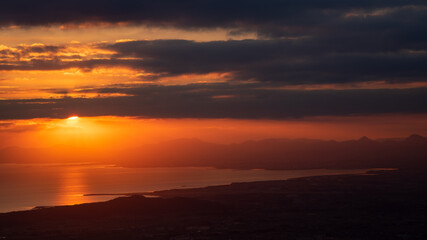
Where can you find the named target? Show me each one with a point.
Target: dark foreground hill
(380, 205)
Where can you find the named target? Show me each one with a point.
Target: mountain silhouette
(266, 154)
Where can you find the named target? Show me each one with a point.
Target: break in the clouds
(304, 43)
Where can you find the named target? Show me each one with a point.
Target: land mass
(284, 154)
(377, 205)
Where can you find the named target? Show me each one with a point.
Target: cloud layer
(222, 101)
(191, 13)
(298, 43)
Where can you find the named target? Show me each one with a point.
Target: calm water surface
(25, 186)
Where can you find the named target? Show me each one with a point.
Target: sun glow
(73, 118)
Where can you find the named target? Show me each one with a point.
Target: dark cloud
(187, 13)
(358, 26)
(297, 61)
(57, 63)
(281, 61)
(39, 48)
(299, 42)
(205, 101)
(26, 51)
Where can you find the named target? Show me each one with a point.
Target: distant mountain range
(410, 152)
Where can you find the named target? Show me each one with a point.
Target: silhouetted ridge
(287, 154)
(267, 154)
(365, 139)
(415, 138)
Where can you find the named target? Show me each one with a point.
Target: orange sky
(124, 132)
(77, 44)
(197, 88)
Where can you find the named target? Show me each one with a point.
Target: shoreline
(164, 192)
(372, 171)
(376, 206)
(381, 205)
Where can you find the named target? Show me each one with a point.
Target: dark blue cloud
(187, 13)
(200, 101)
(297, 61)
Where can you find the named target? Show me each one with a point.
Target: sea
(25, 186)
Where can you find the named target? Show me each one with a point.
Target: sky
(221, 71)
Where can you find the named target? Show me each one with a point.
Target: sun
(73, 117)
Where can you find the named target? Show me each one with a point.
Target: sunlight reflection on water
(25, 186)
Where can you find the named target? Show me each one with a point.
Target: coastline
(84, 184)
(376, 206)
(372, 171)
